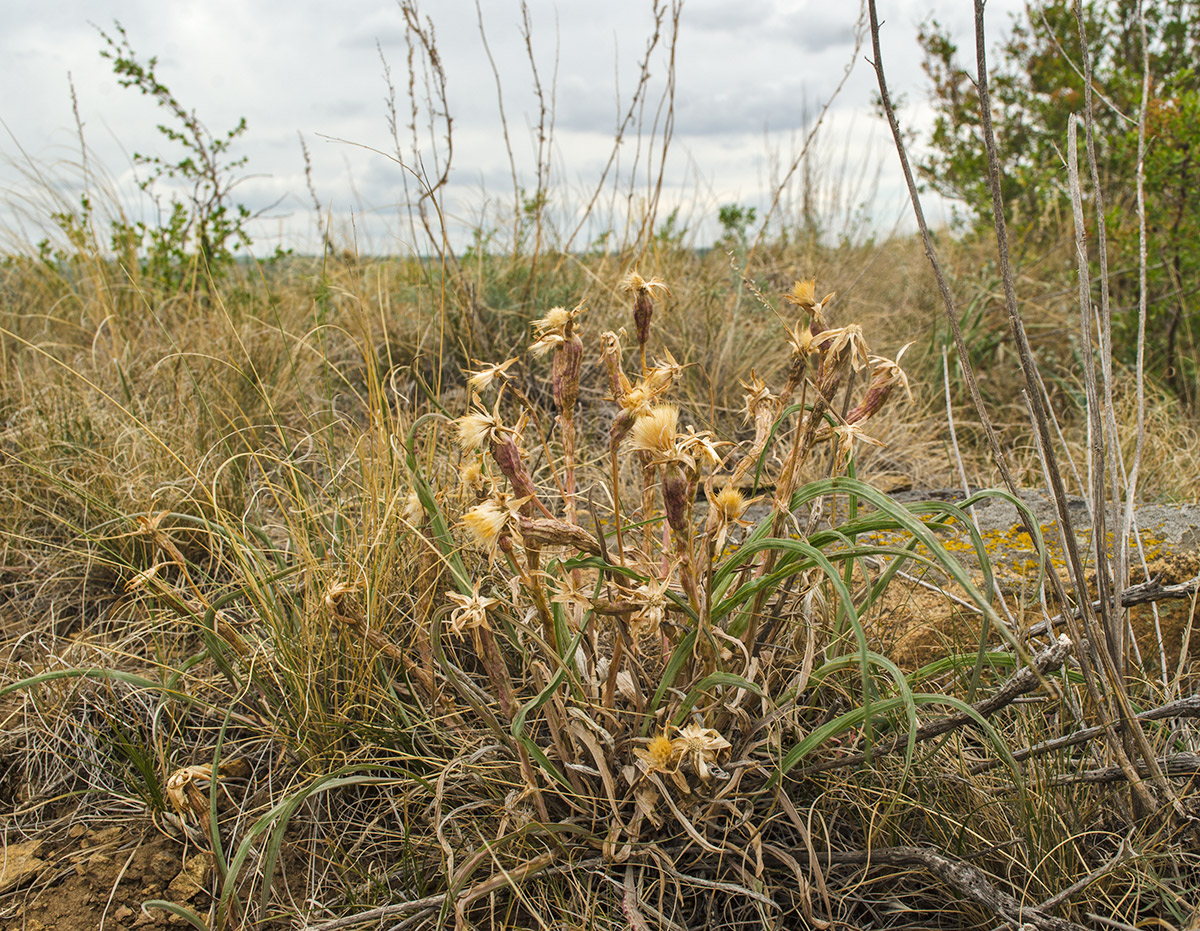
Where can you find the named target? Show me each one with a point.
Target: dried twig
(1178, 764)
(965, 879)
(1143, 593)
(1183, 708)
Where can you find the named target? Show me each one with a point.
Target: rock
(191, 880)
(164, 865)
(19, 862)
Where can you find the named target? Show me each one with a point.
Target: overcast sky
(750, 75)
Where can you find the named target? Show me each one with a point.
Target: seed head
(757, 395)
(651, 599)
(804, 295)
(546, 343)
(678, 493)
(701, 447)
(663, 375)
(610, 353)
(635, 283)
(654, 431)
(643, 303)
(486, 523)
(847, 435)
(564, 375)
(414, 511)
(484, 378)
(725, 511)
(472, 477)
(700, 746)
(471, 613)
(482, 427)
(848, 338)
(557, 320)
(730, 504)
(658, 757)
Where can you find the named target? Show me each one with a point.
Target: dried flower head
(482, 428)
(702, 447)
(654, 431)
(637, 400)
(803, 293)
(651, 600)
(699, 746)
(757, 395)
(800, 339)
(471, 613)
(658, 757)
(663, 375)
(888, 371)
(486, 523)
(610, 354)
(725, 511)
(636, 284)
(472, 476)
(557, 320)
(730, 504)
(546, 343)
(643, 304)
(570, 592)
(847, 435)
(848, 338)
(483, 378)
(414, 511)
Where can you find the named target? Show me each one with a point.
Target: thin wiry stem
(968, 371)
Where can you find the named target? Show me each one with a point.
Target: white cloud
(313, 67)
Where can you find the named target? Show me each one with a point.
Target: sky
(750, 78)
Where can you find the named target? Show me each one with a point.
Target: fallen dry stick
(1183, 708)
(965, 879)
